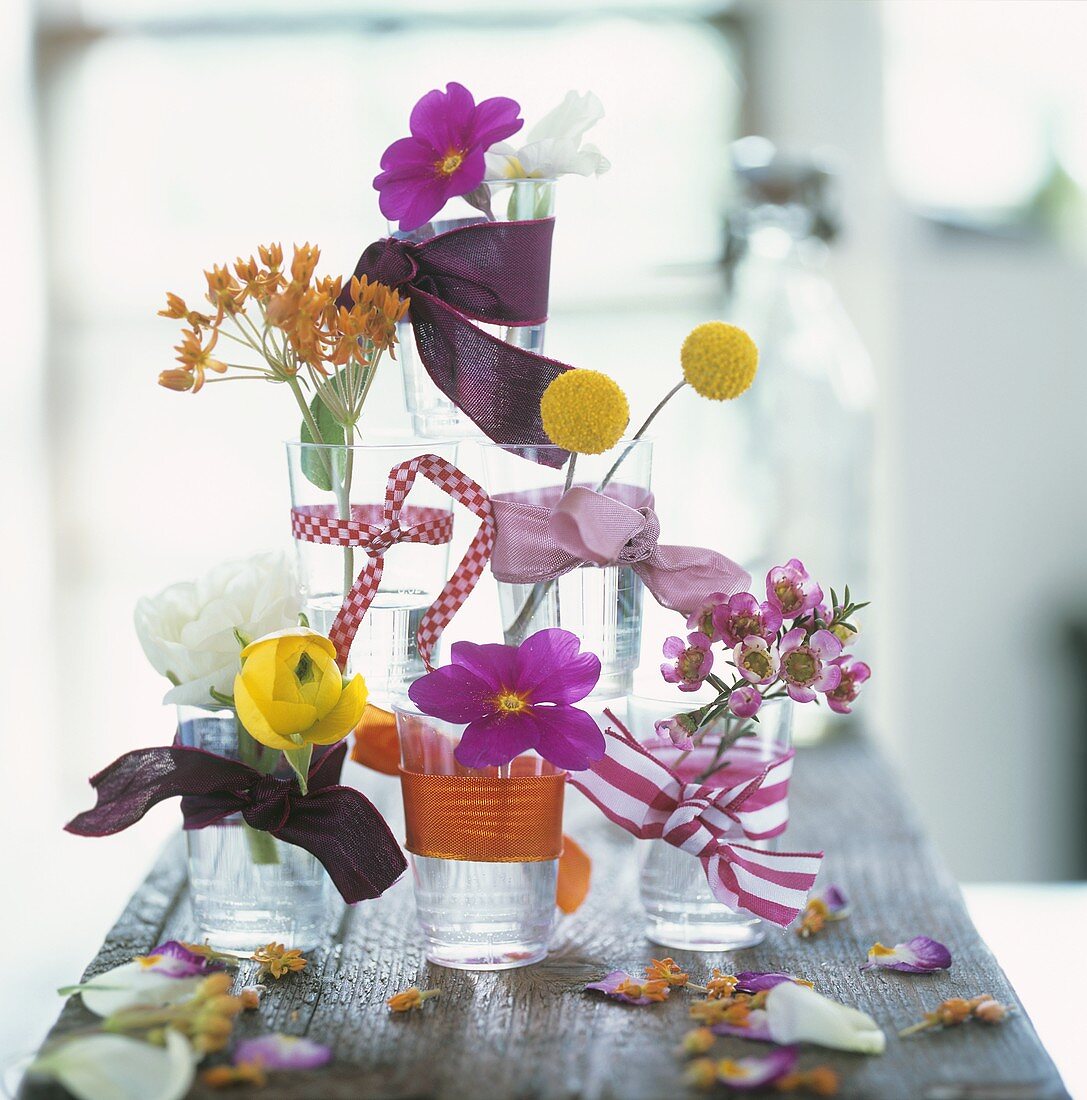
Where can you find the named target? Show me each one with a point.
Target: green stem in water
(262, 845)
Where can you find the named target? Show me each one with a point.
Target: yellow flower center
(450, 164)
(757, 661)
(509, 702)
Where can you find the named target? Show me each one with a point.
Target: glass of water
(340, 482)
(484, 848)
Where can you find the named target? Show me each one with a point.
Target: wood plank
(534, 1033)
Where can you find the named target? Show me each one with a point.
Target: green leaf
(317, 465)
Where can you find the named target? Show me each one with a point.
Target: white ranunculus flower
(797, 1014)
(553, 147)
(187, 630)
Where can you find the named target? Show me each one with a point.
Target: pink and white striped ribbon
(650, 801)
(376, 528)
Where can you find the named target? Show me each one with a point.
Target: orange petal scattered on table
(575, 871)
(376, 744)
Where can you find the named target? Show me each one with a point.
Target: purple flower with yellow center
(517, 698)
(756, 1071)
(757, 661)
(702, 620)
(444, 157)
(742, 616)
(920, 955)
(691, 661)
(791, 591)
(807, 664)
(277, 1051)
(854, 673)
(744, 701)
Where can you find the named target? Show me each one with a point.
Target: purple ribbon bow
(541, 535)
(338, 825)
(493, 272)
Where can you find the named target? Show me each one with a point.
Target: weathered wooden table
(533, 1032)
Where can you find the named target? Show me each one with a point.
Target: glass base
(692, 935)
(495, 956)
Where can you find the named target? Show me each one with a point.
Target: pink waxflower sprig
(789, 644)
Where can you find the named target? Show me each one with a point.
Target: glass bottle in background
(808, 427)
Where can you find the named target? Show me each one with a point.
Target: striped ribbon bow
(651, 802)
(377, 528)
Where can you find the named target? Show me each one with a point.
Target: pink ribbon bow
(377, 528)
(542, 535)
(651, 802)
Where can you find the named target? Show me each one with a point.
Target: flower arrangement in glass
(577, 535)
(323, 339)
(454, 170)
(262, 712)
(787, 648)
(485, 750)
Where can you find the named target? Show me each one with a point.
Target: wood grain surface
(533, 1032)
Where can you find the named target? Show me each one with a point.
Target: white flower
(797, 1014)
(115, 1067)
(553, 146)
(187, 630)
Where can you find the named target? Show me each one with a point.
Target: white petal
(569, 120)
(797, 1014)
(132, 984)
(114, 1067)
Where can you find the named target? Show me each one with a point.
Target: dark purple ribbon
(493, 272)
(339, 825)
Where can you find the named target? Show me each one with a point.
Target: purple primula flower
(757, 661)
(443, 158)
(807, 663)
(616, 983)
(174, 960)
(756, 1026)
(854, 673)
(791, 590)
(691, 661)
(742, 616)
(677, 730)
(744, 701)
(756, 981)
(920, 955)
(517, 698)
(277, 1051)
(756, 1071)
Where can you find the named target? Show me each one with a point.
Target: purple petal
(834, 898)
(670, 675)
(611, 982)
(426, 200)
(674, 647)
(792, 640)
(800, 694)
(920, 955)
(496, 739)
(444, 119)
(496, 665)
(278, 1051)
(771, 618)
(495, 120)
(830, 676)
(755, 981)
(568, 737)
(175, 960)
(859, 671)
(825, 645)
(755, 1071)
(407, 157)
(554, 669)
(453, 693)
(757, 1027)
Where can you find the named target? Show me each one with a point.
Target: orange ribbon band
(484, 818)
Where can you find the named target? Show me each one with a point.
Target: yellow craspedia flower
(584, 411)
(719, 360)
(290, 693)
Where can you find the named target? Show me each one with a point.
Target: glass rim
(625, 442)
(521, 179)
(406, 443)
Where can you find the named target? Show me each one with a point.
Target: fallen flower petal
(666, 970)
(701, 1074)
(824, 906)
(919, 955)
(754, 1025)
(720, 985)
(276, 960)
(244, 1073)
(756, 1072)
(621, 987)
(957, 1010)
(277, 1051)
(754, 981)
(796, 1013)
(821, 1080)
(697, 1041)
(132, 984)
(115, 1067)
(411, 998)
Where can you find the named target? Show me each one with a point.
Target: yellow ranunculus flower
(290, 693)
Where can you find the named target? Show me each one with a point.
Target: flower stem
(641, 431)
(262, 845)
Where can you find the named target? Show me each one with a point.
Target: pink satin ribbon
(542, 534)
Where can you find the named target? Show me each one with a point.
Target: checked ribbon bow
(378, 528)
(651, 802)
(492, 272)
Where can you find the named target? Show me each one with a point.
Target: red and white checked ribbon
(394, 523)
(650, 801)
